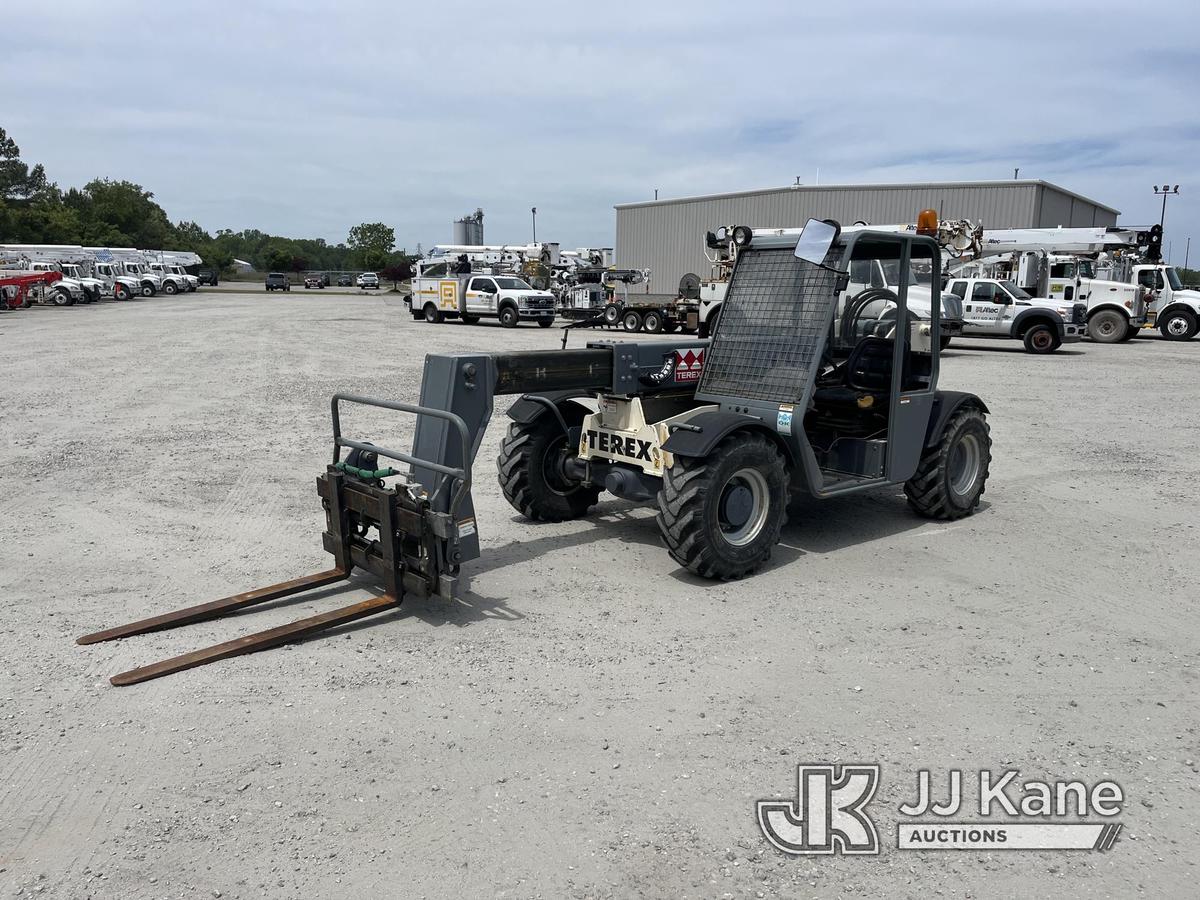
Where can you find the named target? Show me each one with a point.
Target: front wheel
(1178, 325)
(1107, 327)
(530, 468)
(952, 474)
(170, 289)
(62, 298)
(120, 292)
(1041, 339)
(545, 323)
(509, 317)
(721, 515)
(148, 290)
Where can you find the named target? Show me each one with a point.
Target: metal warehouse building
(667, 236)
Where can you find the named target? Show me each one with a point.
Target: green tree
(277, 256)
(372, 242)
(17, 180)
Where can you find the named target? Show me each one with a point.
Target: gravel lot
(589, 721)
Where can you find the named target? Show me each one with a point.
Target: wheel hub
(736, 505)
(1177, 326)
(743, 507)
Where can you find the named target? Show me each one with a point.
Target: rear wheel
(952, 475)
(652, 322)
(721, 515)
(1178, 325)
(1107, 327)
(632, 320)
(509, 317)
(148, 290)
(530, 469)
(612, 314)
(1041, 339)
(433, 315)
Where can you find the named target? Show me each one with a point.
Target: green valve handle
(369, 474)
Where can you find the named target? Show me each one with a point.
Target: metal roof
(919, 185)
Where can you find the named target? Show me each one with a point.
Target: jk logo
(827, 815)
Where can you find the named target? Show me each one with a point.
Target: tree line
(108, 213)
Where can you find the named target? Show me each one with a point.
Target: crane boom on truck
(1063, 264)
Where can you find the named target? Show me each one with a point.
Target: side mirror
(816, 238)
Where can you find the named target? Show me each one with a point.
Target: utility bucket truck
(129, 262)
(796, 393)
(73, 287)
(473, 283)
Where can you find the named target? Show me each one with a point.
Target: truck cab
(440, 291)
(113, 276)
(995, 308)
(1115, 310)
(1174, 309)
(170, 281)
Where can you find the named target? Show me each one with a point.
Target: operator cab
(878, 357)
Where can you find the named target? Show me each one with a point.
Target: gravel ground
(589, 720)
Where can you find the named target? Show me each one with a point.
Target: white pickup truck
(439, 294)
(994, 308)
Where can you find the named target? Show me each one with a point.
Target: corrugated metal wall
(1057, 208)
(667, 236)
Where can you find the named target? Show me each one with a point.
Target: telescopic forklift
(802, 389)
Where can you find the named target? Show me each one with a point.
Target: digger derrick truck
(795, 393)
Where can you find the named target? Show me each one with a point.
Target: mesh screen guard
(773, 328)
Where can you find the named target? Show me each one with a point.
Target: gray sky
(303, 119)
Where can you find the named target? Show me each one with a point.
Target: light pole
(1166, 191)
(534, 211)
(1187, 250)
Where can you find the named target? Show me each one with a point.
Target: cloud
(306, 118)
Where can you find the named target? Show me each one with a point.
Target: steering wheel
(855, 315)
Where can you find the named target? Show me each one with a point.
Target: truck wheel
(632, 320)
(545, 323)
(62, 298)
(1107, 327)
(1178, 325)
(721, 515)
(169, 288)
(612, 314)
(120, 292)
(652, 322)
(670, 327)
(1041, 339)
(509, 317)
(531, 476)
(470, 320)
(709, 327)
(952, 475)
(433, 315)
(1131, 331)
(148, 290)
(944, 341)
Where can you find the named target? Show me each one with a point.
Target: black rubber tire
(1131, 331)
(148, 290)
(433, 315)
(632, 320)
(470, 320)
(689, 507)
(509, 317)
(612, 314)
(1107, 327)
(670, 327)
(62, 298)
(944, 341)
(526, 472)
(170, 289)
(1178, 325)
(930, 491)
(652, 322)
(1041, 339)
(714, 320)
(545, 323)
(120, 292)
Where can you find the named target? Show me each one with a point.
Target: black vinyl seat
(868, 371)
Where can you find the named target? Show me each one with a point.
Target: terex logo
(827, 815)
(688, 365)
(618, 445)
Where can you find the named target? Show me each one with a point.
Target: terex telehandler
(801, 389)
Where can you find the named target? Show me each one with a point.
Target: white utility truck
(454, 290)
(128, 261)
(75, 286)
(168, 266)
(1000, 309)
